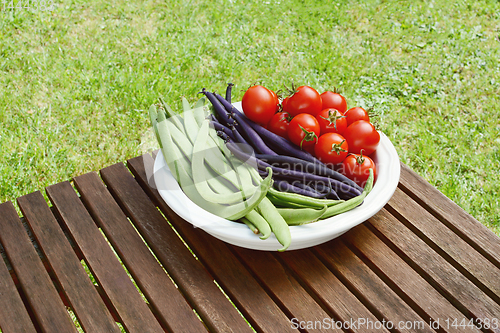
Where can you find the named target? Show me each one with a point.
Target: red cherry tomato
(331, 148)
(304, 100)
(279, 124)
(357, 168)
(331, 121)
(362, 135)
(284, 103)
(355, 114)
(330, 99)
(304, 130)
(259, 104)
(275, 96)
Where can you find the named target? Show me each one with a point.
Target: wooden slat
(368, 287)
(190, 276)
(409, 285)
(441, 274)
(14, 316)
(326, 287)
(161, 293)
(284, 287)
(79, 290)
(250, 298)
(105, 267)
(463, 256)
(462, 223)
(255, 304)
(40, 292)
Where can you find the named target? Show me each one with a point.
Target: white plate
(388, 170)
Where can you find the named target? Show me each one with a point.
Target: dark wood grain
(104, 265)
(456, 251)
(161, 293)
(459, 290)
(14, 316)
(190, 276)
(368, 287)
(407, 283)
(40, 292)
(327, 288)
(250, 298)
(78, 289)
(284, 288)
(462, 223)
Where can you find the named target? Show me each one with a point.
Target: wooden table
(420, 265)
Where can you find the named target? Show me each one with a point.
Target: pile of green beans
(210, 176)
(220, 183)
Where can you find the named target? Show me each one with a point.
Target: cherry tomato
(362, 135)
(331, 121)
(279, 124)
(304, 100)
(275, 96)
(331, 148)
(284, 103)
(304, 130)
(357, 168)
(330, 99)
(259, 104)
(355, 114)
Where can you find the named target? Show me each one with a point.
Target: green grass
(75, 83)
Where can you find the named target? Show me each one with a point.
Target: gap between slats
(442, 253)
(19, 290)
(145, 187)
(451, 226)
(274, 297)
(49, 271)
(460, 307)
(126, 269)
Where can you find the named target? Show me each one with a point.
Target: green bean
(254, 200)
(191, 126)
(185, 104)
(242, 170)
(153, 115)
(286, 204)
(181, 140)
(303, 200)
(298, 216)
(170, 150)
(278, 225)
(260, 223)
(172, 157)
(169, 113)
(200, 174)
(351, 203)
(200, 113)
(250, 225)
(161, 115)
(220, 184)
(220, 143)
(200, 103)
(220, 162)
(214, 179)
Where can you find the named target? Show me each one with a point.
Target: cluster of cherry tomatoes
(320, 124)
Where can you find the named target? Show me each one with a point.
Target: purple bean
(228, 92)
(342, 189)
(219, 108)
(219, 127)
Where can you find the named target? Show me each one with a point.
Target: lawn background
(75, 82)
